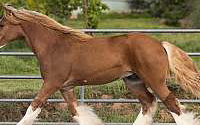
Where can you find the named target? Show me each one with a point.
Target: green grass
(128, 23)
(18, 65)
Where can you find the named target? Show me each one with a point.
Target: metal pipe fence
(69, 123)
(141, 30)
(82, 99)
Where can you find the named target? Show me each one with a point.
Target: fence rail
(93, 100)
(82, 99)
(141, 30)
(32, 54)
(67, 123)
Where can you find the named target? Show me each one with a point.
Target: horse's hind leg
(148, 101)
(83, 114)
(180, 116)
(70, 99)
(157, 83)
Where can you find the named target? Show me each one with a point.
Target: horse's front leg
(35, 108)
(82, 114)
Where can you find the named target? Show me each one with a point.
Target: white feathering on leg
(2, 46)
(30, 116)
(146, 119)
(185, 118)
(86, 116)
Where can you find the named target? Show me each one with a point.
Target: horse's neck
(39, 38)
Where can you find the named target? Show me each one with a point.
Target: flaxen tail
(186, 73)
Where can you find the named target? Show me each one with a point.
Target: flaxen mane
(33, 16)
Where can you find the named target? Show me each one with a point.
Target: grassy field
(114, 112)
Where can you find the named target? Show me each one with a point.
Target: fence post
(82, 94)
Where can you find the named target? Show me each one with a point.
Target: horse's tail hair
(185, 72)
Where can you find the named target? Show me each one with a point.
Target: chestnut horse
(70, 58)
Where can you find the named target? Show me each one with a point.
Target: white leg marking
(186, 118)
(30, 116)
(86, 116)
(2, 46)
(146, 119)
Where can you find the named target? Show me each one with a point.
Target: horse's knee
(172, 104)
(36, 103)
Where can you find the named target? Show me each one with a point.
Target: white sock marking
(2, 46)
(186, 118)
(86, 116)
(30, 116)
(146, 119)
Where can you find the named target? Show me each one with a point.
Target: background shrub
(170, 10)
(139, 5)
(195, 14)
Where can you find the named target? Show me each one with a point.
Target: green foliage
(139, 5)
(62, 8)
(38, 5)
(170, 10)
(116, 15)
(195, 14)
(95, 10)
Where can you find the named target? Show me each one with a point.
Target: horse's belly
(105, 76)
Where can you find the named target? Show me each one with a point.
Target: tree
(93, 9)
(138, 5)
(62, 8)
(195, 14)
(171, 10)
(38, 5)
